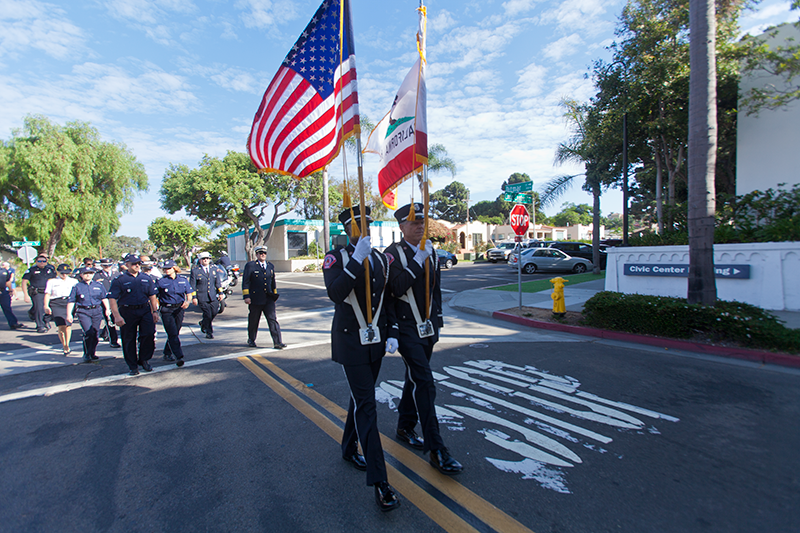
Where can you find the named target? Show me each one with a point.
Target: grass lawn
(544, 284)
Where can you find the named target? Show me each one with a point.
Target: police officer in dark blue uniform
(34, 282)
(88, 299)
(174, 296)
(105, 276)
(207, 288)
(360, 346)
(6, 280)
(135, 309)
(260, 292)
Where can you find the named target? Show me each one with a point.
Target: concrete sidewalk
(485, 302)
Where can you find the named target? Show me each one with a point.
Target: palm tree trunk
(596, 227)
(659, 190)
(702, 286)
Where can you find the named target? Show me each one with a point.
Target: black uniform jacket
(340, 280)
(258, 283)
(205, 286)
(400, 279)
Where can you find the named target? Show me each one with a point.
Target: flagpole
(425, 192)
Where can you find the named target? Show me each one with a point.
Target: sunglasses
(41, 260)
(261, 253)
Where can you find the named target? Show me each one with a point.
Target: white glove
(391, 345)
(363, 247)
(423, 253)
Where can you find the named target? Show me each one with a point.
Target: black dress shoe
(209, 335)
(115, 345)
(86, 359)
(169, 357)
(146, 367)
(385, 497)
(133, 373)
(95, 358)
(41, 330)
(251, 344)
(357, 460)
(179, 363)
(279, 346)
(442, 460)
(408, 436)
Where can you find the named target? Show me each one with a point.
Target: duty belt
(134, 306)
(168, 306)
(88, 306)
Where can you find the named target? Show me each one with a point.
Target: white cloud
(566, 46)
(266, 13)
(473, 46)
(577, 15)
(515, 7)
(531, 81)
(38, 25)
(442, 21)
(147, 11)
(237, 80)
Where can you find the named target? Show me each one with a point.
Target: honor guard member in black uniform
(207, 292)
(359, 347)
(6, 286)
(418, 336)
(135, 309)
(260, 293)
(88, 299)
(105, 276)
(174, 295)
(34, 281)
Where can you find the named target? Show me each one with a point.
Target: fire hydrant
(559, 306)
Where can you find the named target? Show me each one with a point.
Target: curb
(762, 357)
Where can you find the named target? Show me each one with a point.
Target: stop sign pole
(519, 220)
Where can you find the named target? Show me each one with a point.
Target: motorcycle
(226, 283)
(233, 274)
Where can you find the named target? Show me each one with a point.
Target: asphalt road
(557, 433)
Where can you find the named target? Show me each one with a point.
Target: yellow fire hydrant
(559, 306)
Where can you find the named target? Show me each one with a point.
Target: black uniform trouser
(90, 320)
(254, 319)
(37, 311)
(5, 303)
(210, 310)
(108, 325)
(362, 419)
(172, 318)
(419, 393)
(137, 322)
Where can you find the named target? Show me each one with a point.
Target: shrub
(673, 317)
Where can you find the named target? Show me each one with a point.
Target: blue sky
(176, 79)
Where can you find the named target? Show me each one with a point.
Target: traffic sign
(26, 242)
(519, 187)
(519, 219)
(27, 254)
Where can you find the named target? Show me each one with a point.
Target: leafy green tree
(120, 245)
(218, 244)
(179, 236)
(572, 215)
(450, 203)
(231, 191)
(63, 185)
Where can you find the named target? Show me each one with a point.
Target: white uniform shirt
(60, 288)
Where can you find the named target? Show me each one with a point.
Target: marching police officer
(34, 282)
(90, 299)
(207, 292)
(418, 334)
(174, 295)
(6, 286)
(135, 309)
(105, 276)
(260, 293)
(360, 346)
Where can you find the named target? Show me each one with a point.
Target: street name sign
(17, 244)
(519, 219)
(521, 198)
(682, 271)
(519, 187)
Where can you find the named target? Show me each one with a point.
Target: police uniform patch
(329, 261)
(390, 257)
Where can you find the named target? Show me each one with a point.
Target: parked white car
(535, 259)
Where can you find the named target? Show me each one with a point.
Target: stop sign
(519, 219)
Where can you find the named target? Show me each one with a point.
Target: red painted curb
(675, 344)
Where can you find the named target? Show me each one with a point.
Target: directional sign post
(519, 220)
(519, 187)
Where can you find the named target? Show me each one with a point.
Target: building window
(297, 243)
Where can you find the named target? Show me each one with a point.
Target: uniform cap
(402, 213)
(64, 268)
(344, 217)
(132, 259)
(169, 263)
(106, 261)
(204, 255)
(261, 249)
(85, 270)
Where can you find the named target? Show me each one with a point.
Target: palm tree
(702, 154)
(579, 149)
(439, 161)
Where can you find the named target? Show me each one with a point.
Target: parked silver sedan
(535, 259)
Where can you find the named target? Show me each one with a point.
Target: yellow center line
(447, 519)
(482, 509)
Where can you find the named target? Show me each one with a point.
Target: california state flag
(401, 138)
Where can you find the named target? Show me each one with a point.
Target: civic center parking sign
(682, 271)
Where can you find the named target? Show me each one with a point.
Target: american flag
(311, 105)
